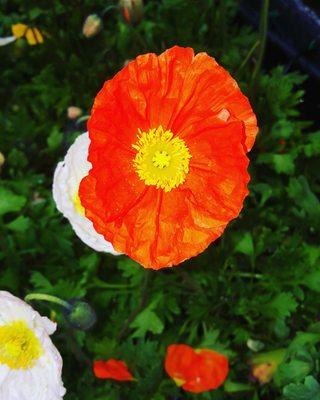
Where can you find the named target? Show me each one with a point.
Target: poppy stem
(107, 9)
(249, 275)
(47, 297)
(263, 31)
(186, 277)
(98, 283)
(248, 56)
(141, 305)
(223, 23)
(75, 348)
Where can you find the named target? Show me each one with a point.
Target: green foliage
(258, 284)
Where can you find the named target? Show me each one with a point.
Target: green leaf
(20, 224)
(282, 305)
(147, 321)
(312, 281)
(309, 390)
(235, 387)
(292, 371)
(245, 245)
(299, 190)
(55, 139)
(282, 163)
(10, 202)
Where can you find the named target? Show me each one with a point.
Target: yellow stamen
(162, 160)
(77, 204)
(179, 382)
(19, 346)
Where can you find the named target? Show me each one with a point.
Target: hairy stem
(263, 31)
(47, 297)
(141, 305)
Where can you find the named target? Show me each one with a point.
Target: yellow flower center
(179, 382)
(77, 204)
(162, 160)
(19, 346)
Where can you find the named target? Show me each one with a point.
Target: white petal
(6, 40)
(43, 381)
(66, 181)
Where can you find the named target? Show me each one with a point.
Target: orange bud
(92, 26)
(132, 10)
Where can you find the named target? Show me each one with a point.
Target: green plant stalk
(109, 8)
(249, 275)
(223, 23)
(141, 305)
(49, 298)
(263, 31)
(98, 283)
(248, 56)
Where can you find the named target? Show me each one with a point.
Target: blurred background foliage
(253, 291)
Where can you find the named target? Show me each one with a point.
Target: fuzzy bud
(265, 365)
(2, 159)
(80, 315)
(132, 10)
(92, 25)
(74, 112)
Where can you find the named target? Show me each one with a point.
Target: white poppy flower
(6, 40)
(66, 181)
(30, 365)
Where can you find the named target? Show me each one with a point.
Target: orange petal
(112, 369)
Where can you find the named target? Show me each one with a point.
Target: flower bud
(132, 10)
(92, 26)
(80, 315)
(2, 159)
(264, 365)
(74, 112)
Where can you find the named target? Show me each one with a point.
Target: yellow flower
(31, 34)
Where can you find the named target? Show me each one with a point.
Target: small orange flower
(196, 370)
(169, 136)
(112, 369)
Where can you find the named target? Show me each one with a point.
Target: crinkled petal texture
(198, 101)
(196, 370)
(112, 369)
(67, 178)
(43, 380)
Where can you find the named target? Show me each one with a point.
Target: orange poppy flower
(112, 369)
(196, 370)
(169, 136)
